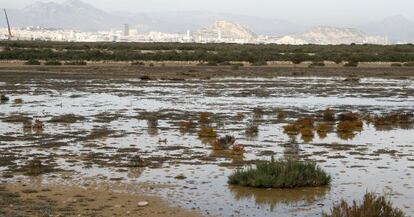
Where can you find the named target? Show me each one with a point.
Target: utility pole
(8, 24)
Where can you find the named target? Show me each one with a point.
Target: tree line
(216, 53)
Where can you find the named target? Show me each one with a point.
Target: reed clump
(281, 174)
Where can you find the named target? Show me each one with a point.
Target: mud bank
(177, 72)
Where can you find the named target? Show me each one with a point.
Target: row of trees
(25, 50)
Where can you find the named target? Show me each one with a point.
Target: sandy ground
(26, 200)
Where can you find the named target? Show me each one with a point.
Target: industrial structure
(8, 24)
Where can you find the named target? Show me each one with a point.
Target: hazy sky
(317, 11)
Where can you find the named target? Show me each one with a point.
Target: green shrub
(53, 63)
(396, 64)
(298, 58)
(76, 63)
(32, 62)
(371, 206)
(281, 174)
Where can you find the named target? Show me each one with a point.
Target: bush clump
(329, 115)
(371, 206)
(307, 132)
(207, 132)
(281, 174)
(349, 126)
(292, 129)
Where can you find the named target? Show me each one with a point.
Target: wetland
(175, 139)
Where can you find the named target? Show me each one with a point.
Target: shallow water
(123, 106)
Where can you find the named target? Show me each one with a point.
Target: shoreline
(70, 200)
(183, 72)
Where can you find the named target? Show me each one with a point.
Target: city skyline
(83, 16)
(317, 12)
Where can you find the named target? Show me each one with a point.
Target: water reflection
(292, 151)
(274, 197)
(135, 172)
(346, 135)
(153, 131)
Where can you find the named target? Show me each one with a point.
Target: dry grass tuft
(203, 117)
(328, 115)
(292, 129)
(307, 132)
(371, 206)
(252, 130)
(207, 132)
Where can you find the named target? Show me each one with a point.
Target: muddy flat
(36, 199)
(183, 71)
(139, 131)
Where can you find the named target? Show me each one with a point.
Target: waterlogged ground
(115, 120)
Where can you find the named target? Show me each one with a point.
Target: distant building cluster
(125, 35)
(219, 32)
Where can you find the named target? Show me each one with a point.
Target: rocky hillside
(226, 30)
(332, 35)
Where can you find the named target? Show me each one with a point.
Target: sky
(316, 11)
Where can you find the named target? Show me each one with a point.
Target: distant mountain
(397, 28)
(332, 35)
(194, 20)
(77, 15)
(226, 30)
(73, 14)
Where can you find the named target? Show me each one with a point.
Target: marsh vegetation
(281, 174)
